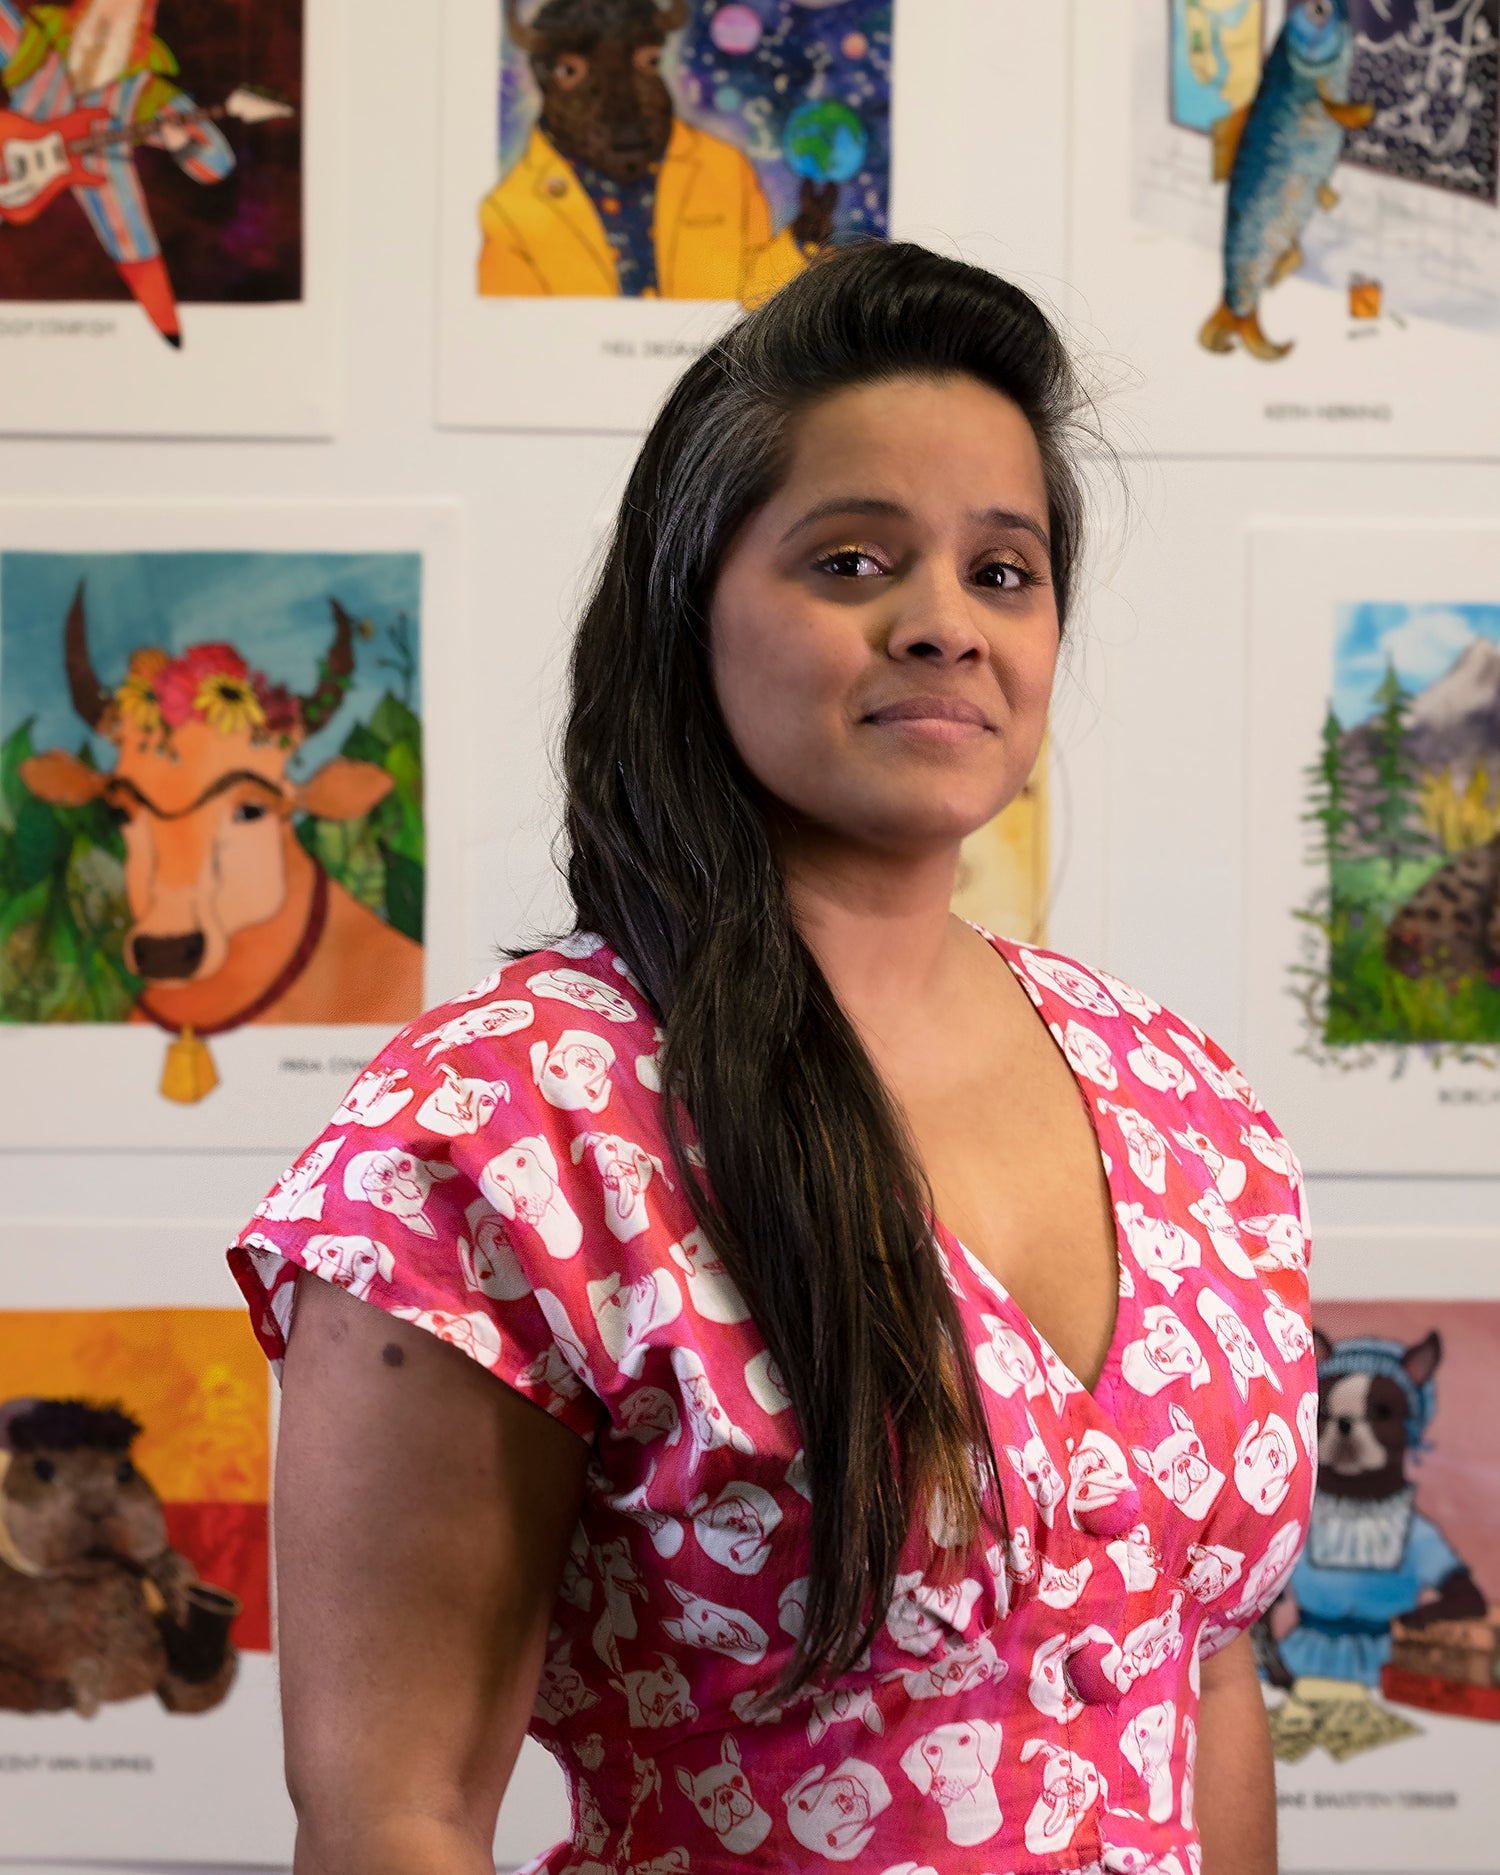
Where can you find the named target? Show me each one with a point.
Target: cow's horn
(523, 37)
(317, 708)
(673, 15)
(90, 698)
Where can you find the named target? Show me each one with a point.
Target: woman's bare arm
(422, 1515)
(1235, 1792)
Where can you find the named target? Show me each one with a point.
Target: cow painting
(232, 921)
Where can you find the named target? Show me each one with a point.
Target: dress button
(1113, 1518)
(1084, 1671)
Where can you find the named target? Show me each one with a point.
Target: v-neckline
(1124, 1290)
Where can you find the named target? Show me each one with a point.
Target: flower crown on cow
(207, 683)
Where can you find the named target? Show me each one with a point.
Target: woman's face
(884, 630)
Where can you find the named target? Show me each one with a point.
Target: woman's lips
(943, 719)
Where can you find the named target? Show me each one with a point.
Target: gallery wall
(392, 419)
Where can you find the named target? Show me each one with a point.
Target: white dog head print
(843, 1705)
(1274, 1154)
(352, 1263)
(833, 1813)
(489, 1263)
(1162, 1249)
(1214, 1215)
(1049, 1690)
(1213, 1569)
(721, 1630)
(377, 1096)
(1137, 1558)
(648, 1414)
(1146, 1744)
(656, 1696)
(710, 1288)
(627, 1315)
(1240, 1348)
(1181, 1468)
(735, 1529)
(521, 1183)
(721, 1795)
(1066, 980)
(397, 1182)
(1154, 1067)
(573, 1075)
(584, 992)
(476, 1025)
(955, 1766)
(298, 1194)
(920, 1615)
(1264, 1461)
(1032, 1464)
(1264, 1580)
(763, 1382)
(1099, 1482)
(1166, 1352)
(1145, 1147)
(1087, 1054)
(958, 1671)
(1071, 1786)
(625, 1170)
(1227, 1174)
(458, 1107)
(1287, 1329)
(1284, 1238)
(1006, 1363)
(709, 1426)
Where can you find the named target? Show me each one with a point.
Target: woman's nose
(935, 621)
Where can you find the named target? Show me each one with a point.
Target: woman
(917, 1392)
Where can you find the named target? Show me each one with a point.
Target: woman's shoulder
(550, 1030)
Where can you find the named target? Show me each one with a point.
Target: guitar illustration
(40, 159)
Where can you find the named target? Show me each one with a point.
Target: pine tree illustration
(1397, 833)
(1329, 810)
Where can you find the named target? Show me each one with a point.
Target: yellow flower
(229, 704)
(136, 702)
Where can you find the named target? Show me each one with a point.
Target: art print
(622, 177)
(1305, 253)
(160, 197)
(1379, 1658)
(1375, 844)
(214, 810)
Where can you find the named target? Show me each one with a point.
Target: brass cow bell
(189, 1072)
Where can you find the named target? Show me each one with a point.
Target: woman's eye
(850, 563)
(249, 810)
(1004, 576)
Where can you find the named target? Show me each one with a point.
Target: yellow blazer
(542, 234)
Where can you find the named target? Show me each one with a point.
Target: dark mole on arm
(392, 1355)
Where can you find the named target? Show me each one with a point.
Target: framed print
(1286, 215)
(1373, 941)
(166, 212)
(220, 842)
(620, 181)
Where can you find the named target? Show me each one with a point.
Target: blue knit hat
(1373, 1354)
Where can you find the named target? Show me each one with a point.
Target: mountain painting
(1403, 808)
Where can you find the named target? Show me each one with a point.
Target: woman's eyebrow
(893, 510)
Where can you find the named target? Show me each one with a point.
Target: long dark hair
(810, 1190)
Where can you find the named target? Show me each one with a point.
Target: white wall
(1166, 668)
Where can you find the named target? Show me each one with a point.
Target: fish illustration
(1279, 153)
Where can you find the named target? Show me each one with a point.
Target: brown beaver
(94, 1605)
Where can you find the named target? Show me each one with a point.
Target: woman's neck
(880, 927)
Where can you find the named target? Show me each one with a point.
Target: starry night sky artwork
(803, 87)
(1432, 71)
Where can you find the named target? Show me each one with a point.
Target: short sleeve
(389, 1203)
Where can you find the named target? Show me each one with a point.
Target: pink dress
(500, 1177)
